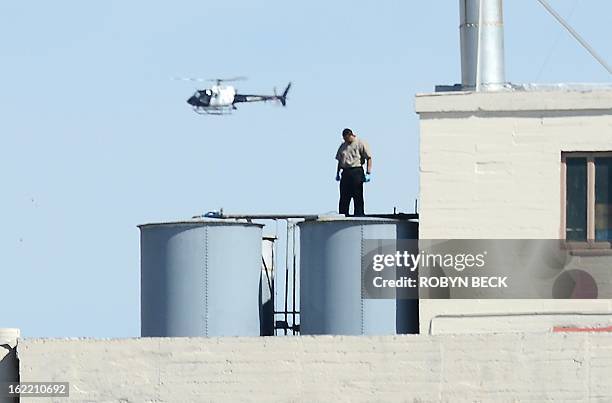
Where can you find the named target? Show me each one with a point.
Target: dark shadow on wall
(9, 365)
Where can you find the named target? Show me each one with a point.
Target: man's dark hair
(347, 132)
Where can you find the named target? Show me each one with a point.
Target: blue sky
(96, 138)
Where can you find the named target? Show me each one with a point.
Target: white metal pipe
(492, 75)
(482, 44)
(468, 32)
(479, 49)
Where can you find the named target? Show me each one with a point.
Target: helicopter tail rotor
(283, 98)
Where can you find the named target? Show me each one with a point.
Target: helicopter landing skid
(213, 111)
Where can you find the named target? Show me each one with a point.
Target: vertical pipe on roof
(468, 33)
(482, 44)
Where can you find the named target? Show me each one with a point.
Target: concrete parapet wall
(450, 368)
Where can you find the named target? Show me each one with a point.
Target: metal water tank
(330, 278)
(200, 278)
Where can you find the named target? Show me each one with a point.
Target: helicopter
(221, 99)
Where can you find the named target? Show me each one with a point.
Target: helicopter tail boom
(263, 98)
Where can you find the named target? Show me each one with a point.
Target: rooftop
(524, 97)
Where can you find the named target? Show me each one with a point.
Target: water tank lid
(341, 218)
(202, 222)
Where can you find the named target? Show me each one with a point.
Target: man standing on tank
(352, 154)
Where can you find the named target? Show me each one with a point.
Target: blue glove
(367, 178)
(337, 177)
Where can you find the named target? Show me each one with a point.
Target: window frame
(591, 244)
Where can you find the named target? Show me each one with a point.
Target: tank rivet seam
(206, 282)
(362, 288)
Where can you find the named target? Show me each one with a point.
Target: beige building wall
(410, 368)
(490, 167)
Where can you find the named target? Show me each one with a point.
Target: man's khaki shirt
(353, 155)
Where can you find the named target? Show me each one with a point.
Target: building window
(587, 188)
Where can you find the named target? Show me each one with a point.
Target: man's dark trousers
(351, 187)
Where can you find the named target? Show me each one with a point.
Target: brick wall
(452, 368)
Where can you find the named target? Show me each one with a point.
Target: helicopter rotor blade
(219, 80)
(193, 79)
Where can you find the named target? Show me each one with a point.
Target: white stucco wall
(447, 368)
(490, 167)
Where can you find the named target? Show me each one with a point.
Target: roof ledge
(530, 97)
